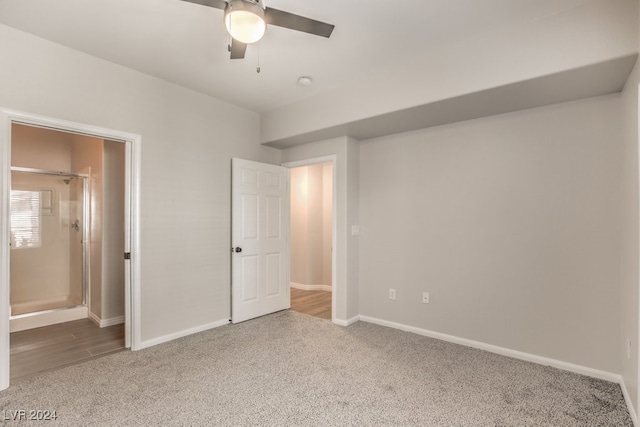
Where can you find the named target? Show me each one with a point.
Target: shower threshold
(40, 305)
(41, 318)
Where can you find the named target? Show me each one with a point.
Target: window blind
(25, 219)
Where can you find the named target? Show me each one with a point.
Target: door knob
(238, 249)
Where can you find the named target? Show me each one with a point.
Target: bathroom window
(25, 219)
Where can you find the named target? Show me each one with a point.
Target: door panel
(260, 260)
(249, 266)
(274, 275)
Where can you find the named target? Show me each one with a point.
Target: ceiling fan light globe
(244, 21)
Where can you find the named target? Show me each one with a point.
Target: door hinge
(127, 255)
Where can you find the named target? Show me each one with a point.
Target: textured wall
(512, 223)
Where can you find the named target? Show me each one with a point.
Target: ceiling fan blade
(297, 22)
(237, 49)
(218, 4)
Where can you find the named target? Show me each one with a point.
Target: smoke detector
(304, 81)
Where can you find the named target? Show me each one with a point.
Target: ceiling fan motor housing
(244, 20)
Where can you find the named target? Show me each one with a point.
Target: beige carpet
(289, 369)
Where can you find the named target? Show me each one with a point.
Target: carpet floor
(290, 369)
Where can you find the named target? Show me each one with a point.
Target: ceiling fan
(246, 21)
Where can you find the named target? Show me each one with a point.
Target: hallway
(313, 303)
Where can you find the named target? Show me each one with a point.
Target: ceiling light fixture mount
(244, 20)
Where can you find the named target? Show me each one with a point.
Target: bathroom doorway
(131, 144)
(67, 199)
(312, 231)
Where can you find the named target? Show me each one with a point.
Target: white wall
(327, 223)
(630, 280)
(188, 140)
(512, 223)
(314, 224)
(299, 188)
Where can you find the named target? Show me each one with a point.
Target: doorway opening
(312, 234)
(111, 172)
(67, 240)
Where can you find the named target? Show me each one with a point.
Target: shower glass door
(47, 241)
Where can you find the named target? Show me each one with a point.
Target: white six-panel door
(259, 239)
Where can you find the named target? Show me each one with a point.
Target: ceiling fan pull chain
(230, 40)
(258, 67)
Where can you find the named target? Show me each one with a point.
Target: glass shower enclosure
(49, 241)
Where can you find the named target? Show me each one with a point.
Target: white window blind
(25, 219)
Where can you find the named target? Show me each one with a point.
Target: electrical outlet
(628, 348)
(392, 294)
(425, 297)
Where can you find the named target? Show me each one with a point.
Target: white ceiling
(186, 43)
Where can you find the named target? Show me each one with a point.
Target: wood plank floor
(314, 303)
(51, 347)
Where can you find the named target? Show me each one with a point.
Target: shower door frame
(133, 339)
(86, 235)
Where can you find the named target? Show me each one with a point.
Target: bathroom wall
(38, 148)
(106, 162)
(113, 240)
(311, 222)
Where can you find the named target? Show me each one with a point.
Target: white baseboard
(180, 334)
(103, 323)
(94, 318)
(583, 370)
(627, 399)
(310, 287)
(112, 321)
(347, 322)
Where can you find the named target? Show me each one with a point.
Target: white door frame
(132, 221)
(334, 229)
